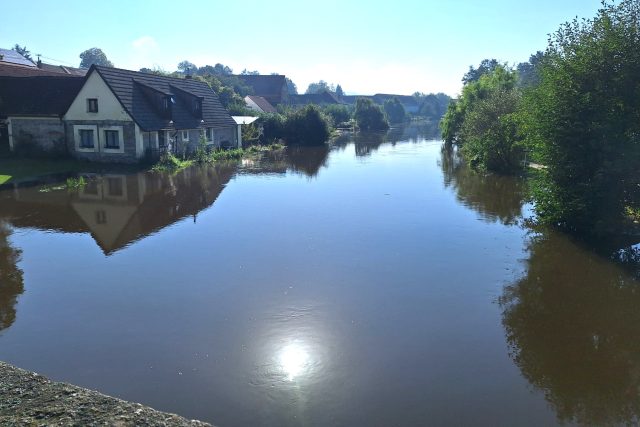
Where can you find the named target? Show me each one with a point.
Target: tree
(394, 110)
(246, 72)
(22, 50)
(307, 126)
(529, 72)
(319, 87)
(339, 91)
(486, 67)
(94, 56)
(292, 89)
(369, 116)
(584, 121)
(186, 67)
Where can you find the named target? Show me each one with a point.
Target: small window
(185, 135)
(165, 103)
(196, 105)
(209, 134)
(101, 217)
(112, 139)
(115, 186)
(92, 105)
(86, 138)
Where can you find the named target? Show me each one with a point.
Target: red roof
(14, 70)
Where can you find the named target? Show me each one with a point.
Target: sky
(400, 46)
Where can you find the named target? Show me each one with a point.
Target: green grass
(17, 168)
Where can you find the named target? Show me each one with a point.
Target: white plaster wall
(109, 108)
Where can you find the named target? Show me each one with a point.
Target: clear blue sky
(398, 46)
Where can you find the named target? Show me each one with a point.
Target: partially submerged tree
(369, 116)
(394, 110)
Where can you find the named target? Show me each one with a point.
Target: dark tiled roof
(13, 57)
(351, 99)
(34, 96)
(380, 98)
(263, 104)
(62, 69)
(269, 87)
(13, 70)
(314, 98)
(147, 116)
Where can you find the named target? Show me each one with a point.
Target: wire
(57, 60)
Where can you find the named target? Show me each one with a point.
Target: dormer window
(197, 105)
(167, 101)
(92, 105)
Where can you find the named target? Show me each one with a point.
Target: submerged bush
(369, 116)
(308, 126)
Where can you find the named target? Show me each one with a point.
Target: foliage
(320, 87)
(394, 110)
(307, 126)
(433, 106)
(170, 163)
(487, 66)
(339, 114)
(94, 56)
(484, 122)
(186, 67)
(491, 133)
(22, 50)
(75, 183)
(584, 121)
(11, 277)
(529, 72)
(339, 91)
(292, 89)
(369, 116)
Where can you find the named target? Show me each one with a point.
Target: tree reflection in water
(573, 327)
(11, 282)
(494, 197)
(307, 160)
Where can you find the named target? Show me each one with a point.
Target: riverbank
(31, 399)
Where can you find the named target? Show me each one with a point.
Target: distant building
(12, 64)
(259, 104)
(272, 87)
(322, 98)
(409, 103)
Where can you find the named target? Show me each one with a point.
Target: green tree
(319, 87)
(394, 110)
(369, 116)
(186, 67)
(292, 89)
(22, 50)
(307, 126)
(339, 91)
(584, 121)
(339, 114)
(487, 66)
(94, 56)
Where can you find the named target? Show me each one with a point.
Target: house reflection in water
(118, 209)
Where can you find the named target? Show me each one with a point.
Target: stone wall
(99, 155)
(38, 135)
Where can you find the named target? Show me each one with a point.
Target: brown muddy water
(377, 282)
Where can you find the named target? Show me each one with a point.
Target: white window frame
(105, 187)
(103, 140)
(211, 136)
(182, 136)
(96, 138)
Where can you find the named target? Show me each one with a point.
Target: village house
(322, 98)
(259, 104)
(122, 116)
(111, 115)
(271, 87)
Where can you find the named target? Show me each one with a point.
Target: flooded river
(376, 282)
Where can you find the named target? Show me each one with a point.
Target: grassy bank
(171, 163)
(14, 169)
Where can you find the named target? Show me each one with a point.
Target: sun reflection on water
(294, 360)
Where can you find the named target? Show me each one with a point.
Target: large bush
(369, 116)
(308, 126)
(584, 120)
(394, 110)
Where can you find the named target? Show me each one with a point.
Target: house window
(185, 135)
(115, 186)
(92, 105)
(112, 139)
(165, 103)
(210, 134)
(101, 217)
(86, 138)
(196, 105)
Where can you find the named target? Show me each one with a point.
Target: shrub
(369, 116)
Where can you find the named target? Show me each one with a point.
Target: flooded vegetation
(375, 281)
